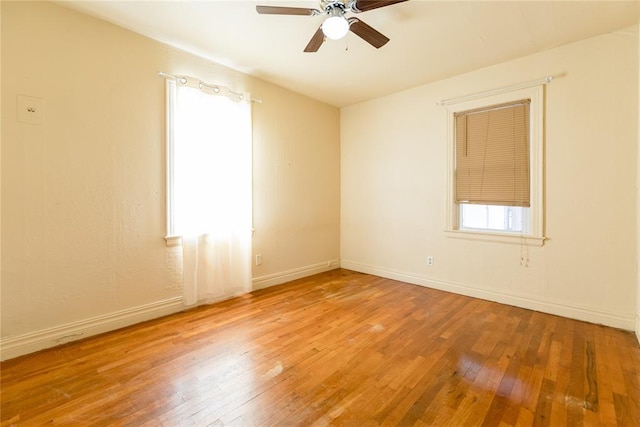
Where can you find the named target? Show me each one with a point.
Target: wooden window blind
(492, 155)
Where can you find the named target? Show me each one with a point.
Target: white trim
(15, 346)
(485, 236)
(638, 327)
(170, 100)
(296, 273)
(173, 240)
(586, 314)
(498, 91)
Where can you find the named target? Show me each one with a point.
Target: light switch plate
(30, 110)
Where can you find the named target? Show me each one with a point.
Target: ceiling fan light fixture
(335, 26)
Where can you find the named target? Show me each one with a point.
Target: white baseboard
(637, 329)
(565, 310)
(297, 273)
(11, 347)
(15, 346)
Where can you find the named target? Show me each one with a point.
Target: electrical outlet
(259, 259)
(430, 260)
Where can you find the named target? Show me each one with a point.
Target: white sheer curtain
(212, 167)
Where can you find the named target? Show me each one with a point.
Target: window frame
(535, 236)
(170, 238)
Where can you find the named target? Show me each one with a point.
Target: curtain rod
(215, 88)
(498, 91)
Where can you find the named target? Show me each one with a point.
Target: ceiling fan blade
(368, 33)
(276, 10)
(365, 5)
(316, 41)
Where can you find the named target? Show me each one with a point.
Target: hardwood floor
(339, 348)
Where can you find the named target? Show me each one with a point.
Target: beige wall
(83, 195)
(394, 178)
(0, 173)
(637, 326)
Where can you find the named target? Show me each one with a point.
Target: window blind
(492, 155)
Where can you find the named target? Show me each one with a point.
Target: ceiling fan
(336, 25)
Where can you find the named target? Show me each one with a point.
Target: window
(208, 160)
(495, 167)
(209, 174)
(513, 219)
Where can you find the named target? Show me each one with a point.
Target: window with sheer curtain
(209, 172)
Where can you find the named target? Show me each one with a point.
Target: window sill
(173, 241)
(514, 239)
(177, 240)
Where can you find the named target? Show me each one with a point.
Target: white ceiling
(430, 40)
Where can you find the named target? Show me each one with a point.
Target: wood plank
(338, 348)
